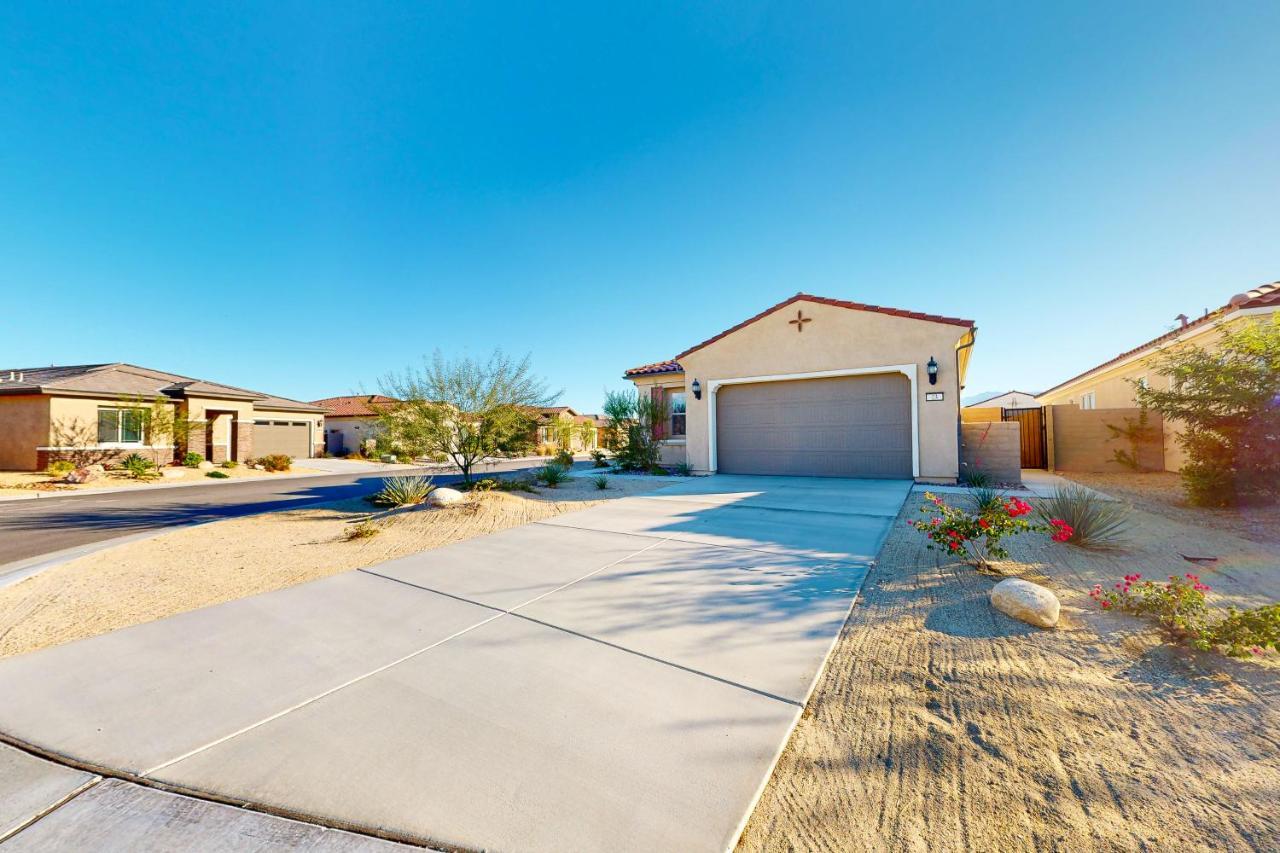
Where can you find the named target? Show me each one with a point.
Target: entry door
(1031, 429)
(846, 426)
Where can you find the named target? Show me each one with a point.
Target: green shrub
(362, 530)
(230, 463)
(403, 491)
(975, 479)
(563, 458)
(1095, 522)
(600, 459)
(217, 475)
(987, 499)
(276, 462)
(658, 471)
(192, 460)
(139, 467)
(515, 484)
(1182, 609)
(682, 469)
(488, 484)
(60, 468)
(552, 475)
(600, 481)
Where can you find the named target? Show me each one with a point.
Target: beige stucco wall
(24, 426)
(836, 339)
(352, 430)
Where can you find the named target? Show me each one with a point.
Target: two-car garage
(846, 426)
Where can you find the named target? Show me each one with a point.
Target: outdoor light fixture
(697, 389)
(932, 367)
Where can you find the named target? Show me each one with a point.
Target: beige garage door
(292, 438)
(849, 426)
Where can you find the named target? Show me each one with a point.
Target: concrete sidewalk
(622, 677)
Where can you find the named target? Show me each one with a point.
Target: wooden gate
(1031, 428)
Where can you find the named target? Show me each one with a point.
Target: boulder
(206, 465)
(444, 497)
(1027, 601)
(84, 475)
(259, 467)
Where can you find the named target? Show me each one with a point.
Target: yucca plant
(1095, 521)
(403, 491)
(987, 499)
(600, 481)
(552, 475)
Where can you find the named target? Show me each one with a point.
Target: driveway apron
(622, 677)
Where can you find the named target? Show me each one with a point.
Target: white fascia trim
(907, 370)
(1150, 351)
(112, 446)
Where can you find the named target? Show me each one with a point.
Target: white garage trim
(907, 370)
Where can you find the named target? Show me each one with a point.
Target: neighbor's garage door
(848, 426)
(292, 438)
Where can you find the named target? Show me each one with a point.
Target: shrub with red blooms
(1181, 608)
(977, 535)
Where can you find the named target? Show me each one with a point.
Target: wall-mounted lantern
(696, 387)
(932, 367)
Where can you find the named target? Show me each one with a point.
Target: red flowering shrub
(1181, 609)
(977, 535)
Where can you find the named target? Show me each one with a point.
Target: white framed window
(677, 400)
(119, 426)
(1089, 400)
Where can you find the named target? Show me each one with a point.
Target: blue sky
(301, 198)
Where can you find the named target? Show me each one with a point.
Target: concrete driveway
(617, 678)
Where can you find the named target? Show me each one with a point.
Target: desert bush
(563, 458)
(600, 481)
(599, 458)
(637, 421)
(192, 460)
(658, 471)
(516, 484)
(975, 479)
(139, 467)
(276, 462)
(978, 535)
(60, 468)
(403, 491)
(361, 530)
(1182, 609)
(682, 469)
(987, 499)
(1095, 522)
(230, 463)
(217, 475)
(552, 475)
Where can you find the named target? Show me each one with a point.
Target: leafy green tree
(462, 408)
(637, 421)
(1227, 400)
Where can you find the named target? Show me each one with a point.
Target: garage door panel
(853, 426)
(279, 437)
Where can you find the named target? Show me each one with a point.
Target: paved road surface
(33, 528)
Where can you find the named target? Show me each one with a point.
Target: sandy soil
(23, 482)
(1161, 493)
(943, 725)
(199, 566)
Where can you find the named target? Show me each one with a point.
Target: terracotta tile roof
(354, 406)
(836, 303)
(118, 379)
(656, 367)
(1260, 297)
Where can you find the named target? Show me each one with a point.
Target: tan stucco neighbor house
(351, 421)
(818, 387)
(52, 413)
(1111, 385)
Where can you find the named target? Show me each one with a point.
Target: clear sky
(299, 198)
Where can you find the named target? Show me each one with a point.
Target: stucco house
(1007, 400)
(1111, 384)
(52, 413)
(818, 387)
(351, 421)
(554, 423)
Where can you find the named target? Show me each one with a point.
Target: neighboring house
(556, 422)
(351, 421)
(1110, 385)
(1007, 400)
(96, 411)
(818, 387)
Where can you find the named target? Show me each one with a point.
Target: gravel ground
(943, 725)
(199, 566)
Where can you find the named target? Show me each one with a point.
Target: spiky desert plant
(403, 491)
(552, 475)
(1096, 521)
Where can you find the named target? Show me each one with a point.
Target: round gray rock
(1027, 601)
(444, 497)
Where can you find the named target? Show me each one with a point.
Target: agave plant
(1096, 521)
(552, 475)
(403, 491)
(987, 499)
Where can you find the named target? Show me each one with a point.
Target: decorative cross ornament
(800, 320)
